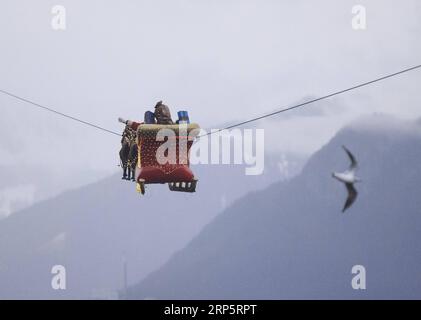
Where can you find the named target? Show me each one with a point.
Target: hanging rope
(364, 84)
(59, 113)
(313, 100)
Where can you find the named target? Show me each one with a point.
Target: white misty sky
(223, 61)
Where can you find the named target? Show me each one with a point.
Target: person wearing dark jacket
(162, 115)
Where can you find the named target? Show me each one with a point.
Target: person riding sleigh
(162, 115)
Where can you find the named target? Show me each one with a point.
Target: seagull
(349, 178)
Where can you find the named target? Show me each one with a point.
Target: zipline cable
(230, 126)
(313, 100)
(60, 113)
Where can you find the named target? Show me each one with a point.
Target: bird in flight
(349, 178)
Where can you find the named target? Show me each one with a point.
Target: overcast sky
(223, 61)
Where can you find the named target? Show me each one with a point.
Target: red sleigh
(153, 165)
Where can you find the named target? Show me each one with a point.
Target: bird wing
(352, 195)
(354, 162)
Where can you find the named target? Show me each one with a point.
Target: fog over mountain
(291, 240)
(93, 229)
(24, 185)
(223, 61)
(230, 240)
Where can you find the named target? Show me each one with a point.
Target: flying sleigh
(154, 151)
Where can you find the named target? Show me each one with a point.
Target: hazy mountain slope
(292, 241)
(23, 185)
(91, 230)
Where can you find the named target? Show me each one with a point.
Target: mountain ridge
(92, 229)
(291, 241)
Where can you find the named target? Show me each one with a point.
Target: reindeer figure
(128, 154)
